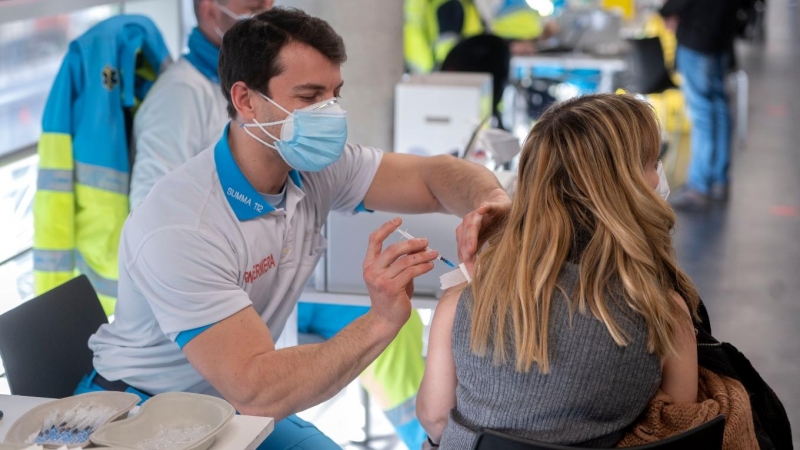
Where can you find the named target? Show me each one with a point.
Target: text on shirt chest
(245, 200)
(259, 269)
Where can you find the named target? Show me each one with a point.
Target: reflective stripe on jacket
(433, 27)
(81, 199)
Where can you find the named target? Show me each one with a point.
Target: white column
(167, 16)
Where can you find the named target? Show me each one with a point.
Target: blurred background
(414, 90)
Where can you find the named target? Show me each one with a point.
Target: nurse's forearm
(460, 186)
(290, 380)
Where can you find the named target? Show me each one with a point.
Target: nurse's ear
(243, 99)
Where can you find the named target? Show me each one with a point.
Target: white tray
(7, 446)
(175, 410)
(31, 422)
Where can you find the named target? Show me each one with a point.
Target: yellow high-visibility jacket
(81, 199)
(433, 27)
(515, 20)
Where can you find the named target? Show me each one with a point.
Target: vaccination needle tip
(408, 236)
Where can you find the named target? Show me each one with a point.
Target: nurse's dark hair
(250, 49)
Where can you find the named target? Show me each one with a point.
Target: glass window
(17, 187)
(30, 55)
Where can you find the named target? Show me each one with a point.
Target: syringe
(441, 258)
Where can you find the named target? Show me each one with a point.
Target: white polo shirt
(203, 246)
(183, 114)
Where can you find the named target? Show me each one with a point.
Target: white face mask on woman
(663, 185)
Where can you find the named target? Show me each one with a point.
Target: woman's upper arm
(437, 393)
(679, 371)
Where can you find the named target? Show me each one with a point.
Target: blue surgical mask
(311, 138)
(663, 186)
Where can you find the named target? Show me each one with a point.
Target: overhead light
(543, 7)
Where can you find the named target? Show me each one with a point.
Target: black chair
(707, 436)
(650, 74)
(43, 342)
(485, 53)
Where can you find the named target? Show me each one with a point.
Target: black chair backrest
(707, 436)
(482, 53)
(43, 342)
(650, 74)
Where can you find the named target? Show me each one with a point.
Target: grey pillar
(373, 33)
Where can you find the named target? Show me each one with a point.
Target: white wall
(373, 33)
(165, 13)
(13, 10)
(167, 16)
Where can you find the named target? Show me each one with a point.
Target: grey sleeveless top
(594, 390)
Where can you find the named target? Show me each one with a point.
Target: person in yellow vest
(433, 27)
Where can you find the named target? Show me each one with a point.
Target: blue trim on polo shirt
(361, 208)
(203, 55)
(184, 337)
(297, 178)
(243, 198)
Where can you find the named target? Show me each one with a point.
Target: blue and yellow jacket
(515, 20)
(84, 161)
(433, 27)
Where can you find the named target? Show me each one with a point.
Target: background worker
(706, 30)
(433, 27)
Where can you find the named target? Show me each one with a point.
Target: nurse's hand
(390, 273)
(479, 224)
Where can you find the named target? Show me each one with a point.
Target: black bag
(769, 416)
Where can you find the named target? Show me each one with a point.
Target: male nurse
(184, 115)
(214, 259)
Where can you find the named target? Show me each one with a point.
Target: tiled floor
(745, 256)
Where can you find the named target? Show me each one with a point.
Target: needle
(406, 235)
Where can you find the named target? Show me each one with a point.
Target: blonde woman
(578, 311)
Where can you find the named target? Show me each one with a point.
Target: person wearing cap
(214, 259)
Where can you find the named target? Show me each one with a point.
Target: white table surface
(572, 61)
(607, 65)
(241, 433)
(312, 295)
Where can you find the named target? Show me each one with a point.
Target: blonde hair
(582, 195)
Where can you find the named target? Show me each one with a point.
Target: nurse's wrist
(496, 195)
(380, 327)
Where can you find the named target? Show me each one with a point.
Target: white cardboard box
(437, 113)
(347, 246)
(341, 268)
